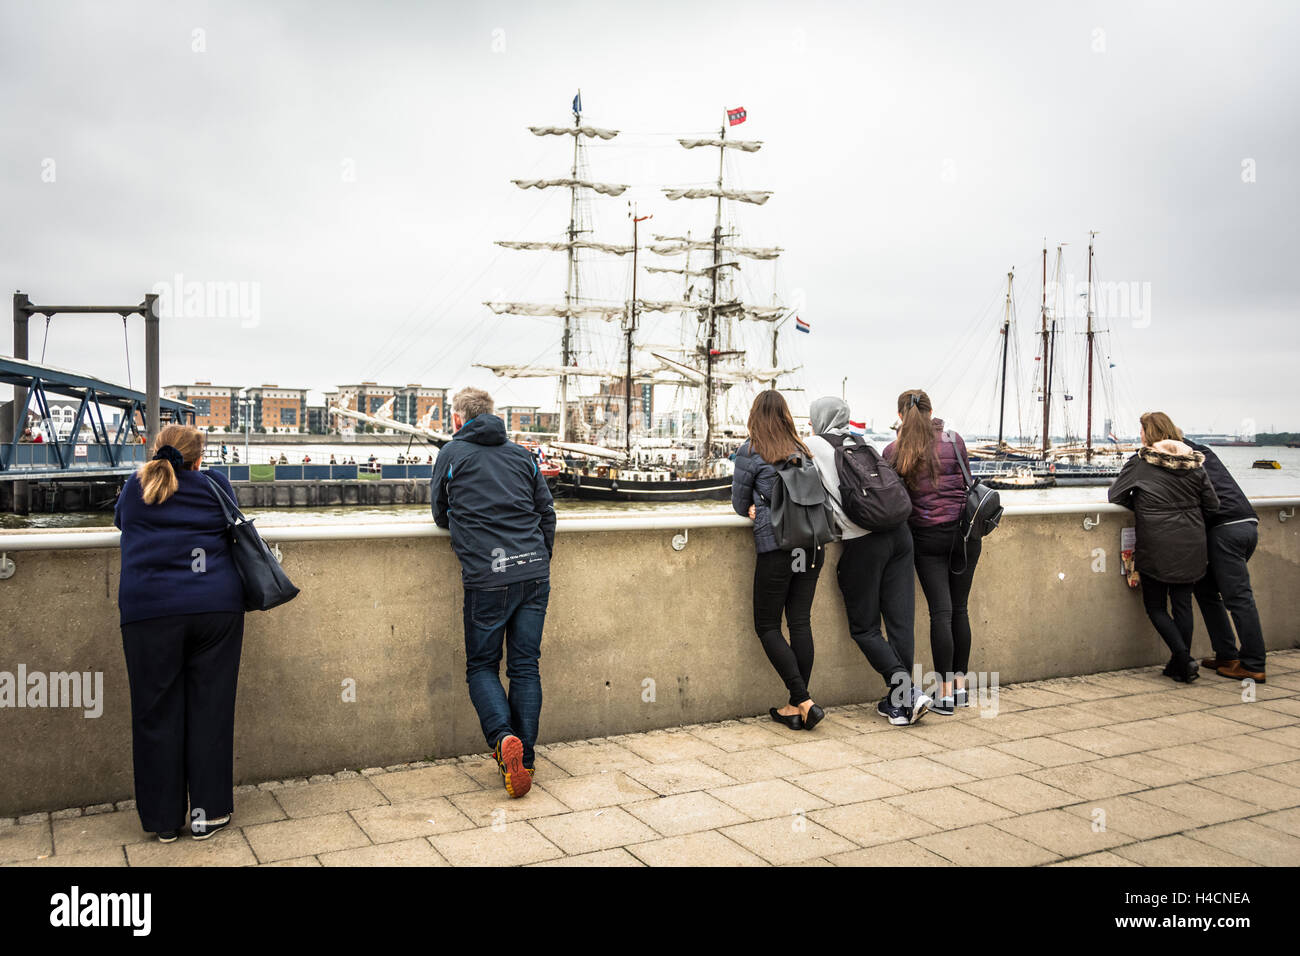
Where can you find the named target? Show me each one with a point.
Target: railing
(63, 540)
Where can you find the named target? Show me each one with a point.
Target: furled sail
(607, 313)
(605, 189)
(591, 132)
(748, 145)
(755, 196)
(609, 247)
(676, 245)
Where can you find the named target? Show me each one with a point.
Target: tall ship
(606, 444)
(1076, 460)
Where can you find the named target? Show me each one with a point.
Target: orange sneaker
(509, 752)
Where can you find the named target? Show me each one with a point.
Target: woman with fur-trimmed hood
(1168, 490)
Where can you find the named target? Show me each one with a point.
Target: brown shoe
(1235, 671)
(1213, 663)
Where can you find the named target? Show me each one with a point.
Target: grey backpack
(801, 512)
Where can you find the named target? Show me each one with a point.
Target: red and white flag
(736, 116)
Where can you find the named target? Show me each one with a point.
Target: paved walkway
(1117, 769)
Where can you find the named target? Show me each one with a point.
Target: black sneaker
(898, 716)
(167, 836)
(208, 828)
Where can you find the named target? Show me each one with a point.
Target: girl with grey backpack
(777, 485)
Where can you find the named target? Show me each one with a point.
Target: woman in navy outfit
(182, 616)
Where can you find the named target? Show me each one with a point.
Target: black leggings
(1176, 629)
(946, 594)
(783, 582)
(183, 670)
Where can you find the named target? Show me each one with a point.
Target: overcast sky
(350, 164)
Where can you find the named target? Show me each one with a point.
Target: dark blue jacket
(1233, 503)
(493, 497)
(751, 484)
(175, 554)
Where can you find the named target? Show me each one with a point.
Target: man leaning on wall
(492, 496)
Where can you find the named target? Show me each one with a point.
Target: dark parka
(1168, 490)
(751, 484)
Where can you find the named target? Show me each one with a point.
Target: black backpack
(872, 495)
(801, 513)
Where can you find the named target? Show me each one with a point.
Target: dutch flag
(801, 326)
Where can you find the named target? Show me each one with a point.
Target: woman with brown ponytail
(182, 615)
(929, 460)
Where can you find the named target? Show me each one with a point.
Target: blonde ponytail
(158, 480)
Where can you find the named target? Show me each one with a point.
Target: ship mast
(1088, 446)
(1006, 336)
(1047, 396)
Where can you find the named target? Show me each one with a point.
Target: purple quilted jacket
(935, 503)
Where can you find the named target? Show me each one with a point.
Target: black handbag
(265, 583)
(979, 516)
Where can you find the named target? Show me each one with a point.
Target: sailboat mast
(710, 344)
(1006, 336)
(570, 282)
(1088, 446)
(1047, 395)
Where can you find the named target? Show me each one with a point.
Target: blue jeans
(513, 614)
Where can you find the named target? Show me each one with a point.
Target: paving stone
(1178, 850)
(686, 813)
(1288, 821)
(735, 737)
(985, 845)
(227, 848)
(872, 822)
(709, 848)
(26, 841)
(586, 831)
(1253, 788)
(896, 744)
(791, 839)
(332, 797)
(256, 806)
(678, 777)
(917, 773)
(413, 852)
(601, 858)
(746, 766)
(403, 786)
(948, 808)
(1264, 845)
(846, 785)
(496, 807)
(983, 762)
(92, 833)
(902, 855)
(1044, 751)
(106, 856)
(828, 754)
(1018, 793)
(669, 748)
(305, 836)
(593, 758)
(1084, 781)
(407, 821)
(595, 790)
(1198, 805)
(513, 844)
(1102, 741)
(1063, 833)
(768, 798)
(1129, 816)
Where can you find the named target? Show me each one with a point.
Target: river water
(1255, 482)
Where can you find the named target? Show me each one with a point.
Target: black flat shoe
(793, 721)
(815, 715)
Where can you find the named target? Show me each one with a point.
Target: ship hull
(593, 488)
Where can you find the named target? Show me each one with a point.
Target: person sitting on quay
(492, 496)
(1168, 490)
